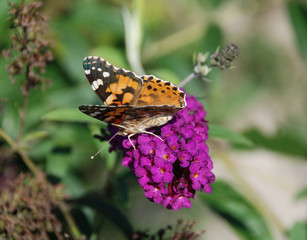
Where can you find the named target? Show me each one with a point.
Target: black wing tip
(82, 108)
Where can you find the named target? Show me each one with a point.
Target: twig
(22, 117)
(187, 79)
(70, 221)
(29, 163)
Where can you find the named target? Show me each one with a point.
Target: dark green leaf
(237, 211)
(123, 183)
(213, 38)
(95, 202)
(298, 231)
(74, 185)
(298, 16)
(216, 131)
(58, 164)
(282, 142)
(81, 220)
(69, 115)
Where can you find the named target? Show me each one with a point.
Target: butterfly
(132, 103)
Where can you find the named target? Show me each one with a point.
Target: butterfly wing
(158, 102)
(158, 92)
(109, 114)
(113, 86)
(131, 118)
(133, 102)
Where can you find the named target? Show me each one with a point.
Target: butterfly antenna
(93, 156)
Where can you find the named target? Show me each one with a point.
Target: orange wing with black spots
(113, 86)
(132, 103)
(158, 92)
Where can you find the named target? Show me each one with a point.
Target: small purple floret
(171, 171)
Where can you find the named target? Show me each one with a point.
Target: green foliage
(233, 207)
(302, 193)
(108, 210)
(68, 115)
(298, 231)
(216, 131)
(283, 142)
(298, 16)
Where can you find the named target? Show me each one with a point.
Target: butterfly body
(131, 103)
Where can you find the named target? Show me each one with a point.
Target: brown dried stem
(31, 52)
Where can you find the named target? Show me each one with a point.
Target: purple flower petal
(170, 171)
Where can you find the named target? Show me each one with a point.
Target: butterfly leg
(129, 136)
(153, 135)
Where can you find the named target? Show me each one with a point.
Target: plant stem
(70, 221)
(25, 93)
(7, 138)
(186, 80)
(133, 39)
(29, 163)
(22, 117)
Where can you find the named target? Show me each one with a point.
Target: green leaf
(302, 194)
(95, 202)
(112, 55)
(283, 141)
(69, 115)
(123, 182)
(216, 131)
(58, 164)
(213, 37)
(36, 135)
(298, 231)
(74, 186)
(298, 15)
(82, 221)
(164, 73)
(242, 216)
(4, 24)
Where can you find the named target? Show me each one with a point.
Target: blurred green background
(257, 109)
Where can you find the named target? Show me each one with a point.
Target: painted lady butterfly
(131, 103)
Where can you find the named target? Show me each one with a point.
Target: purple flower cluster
(171, 171)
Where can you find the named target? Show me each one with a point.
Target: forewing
(158, 92)
(114, 86)
(108, 114)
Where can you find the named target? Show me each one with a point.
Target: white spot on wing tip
(94, 85)
(99, 69)
(87, 71)
(99, 82)
(106, 74)
(94, 114)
